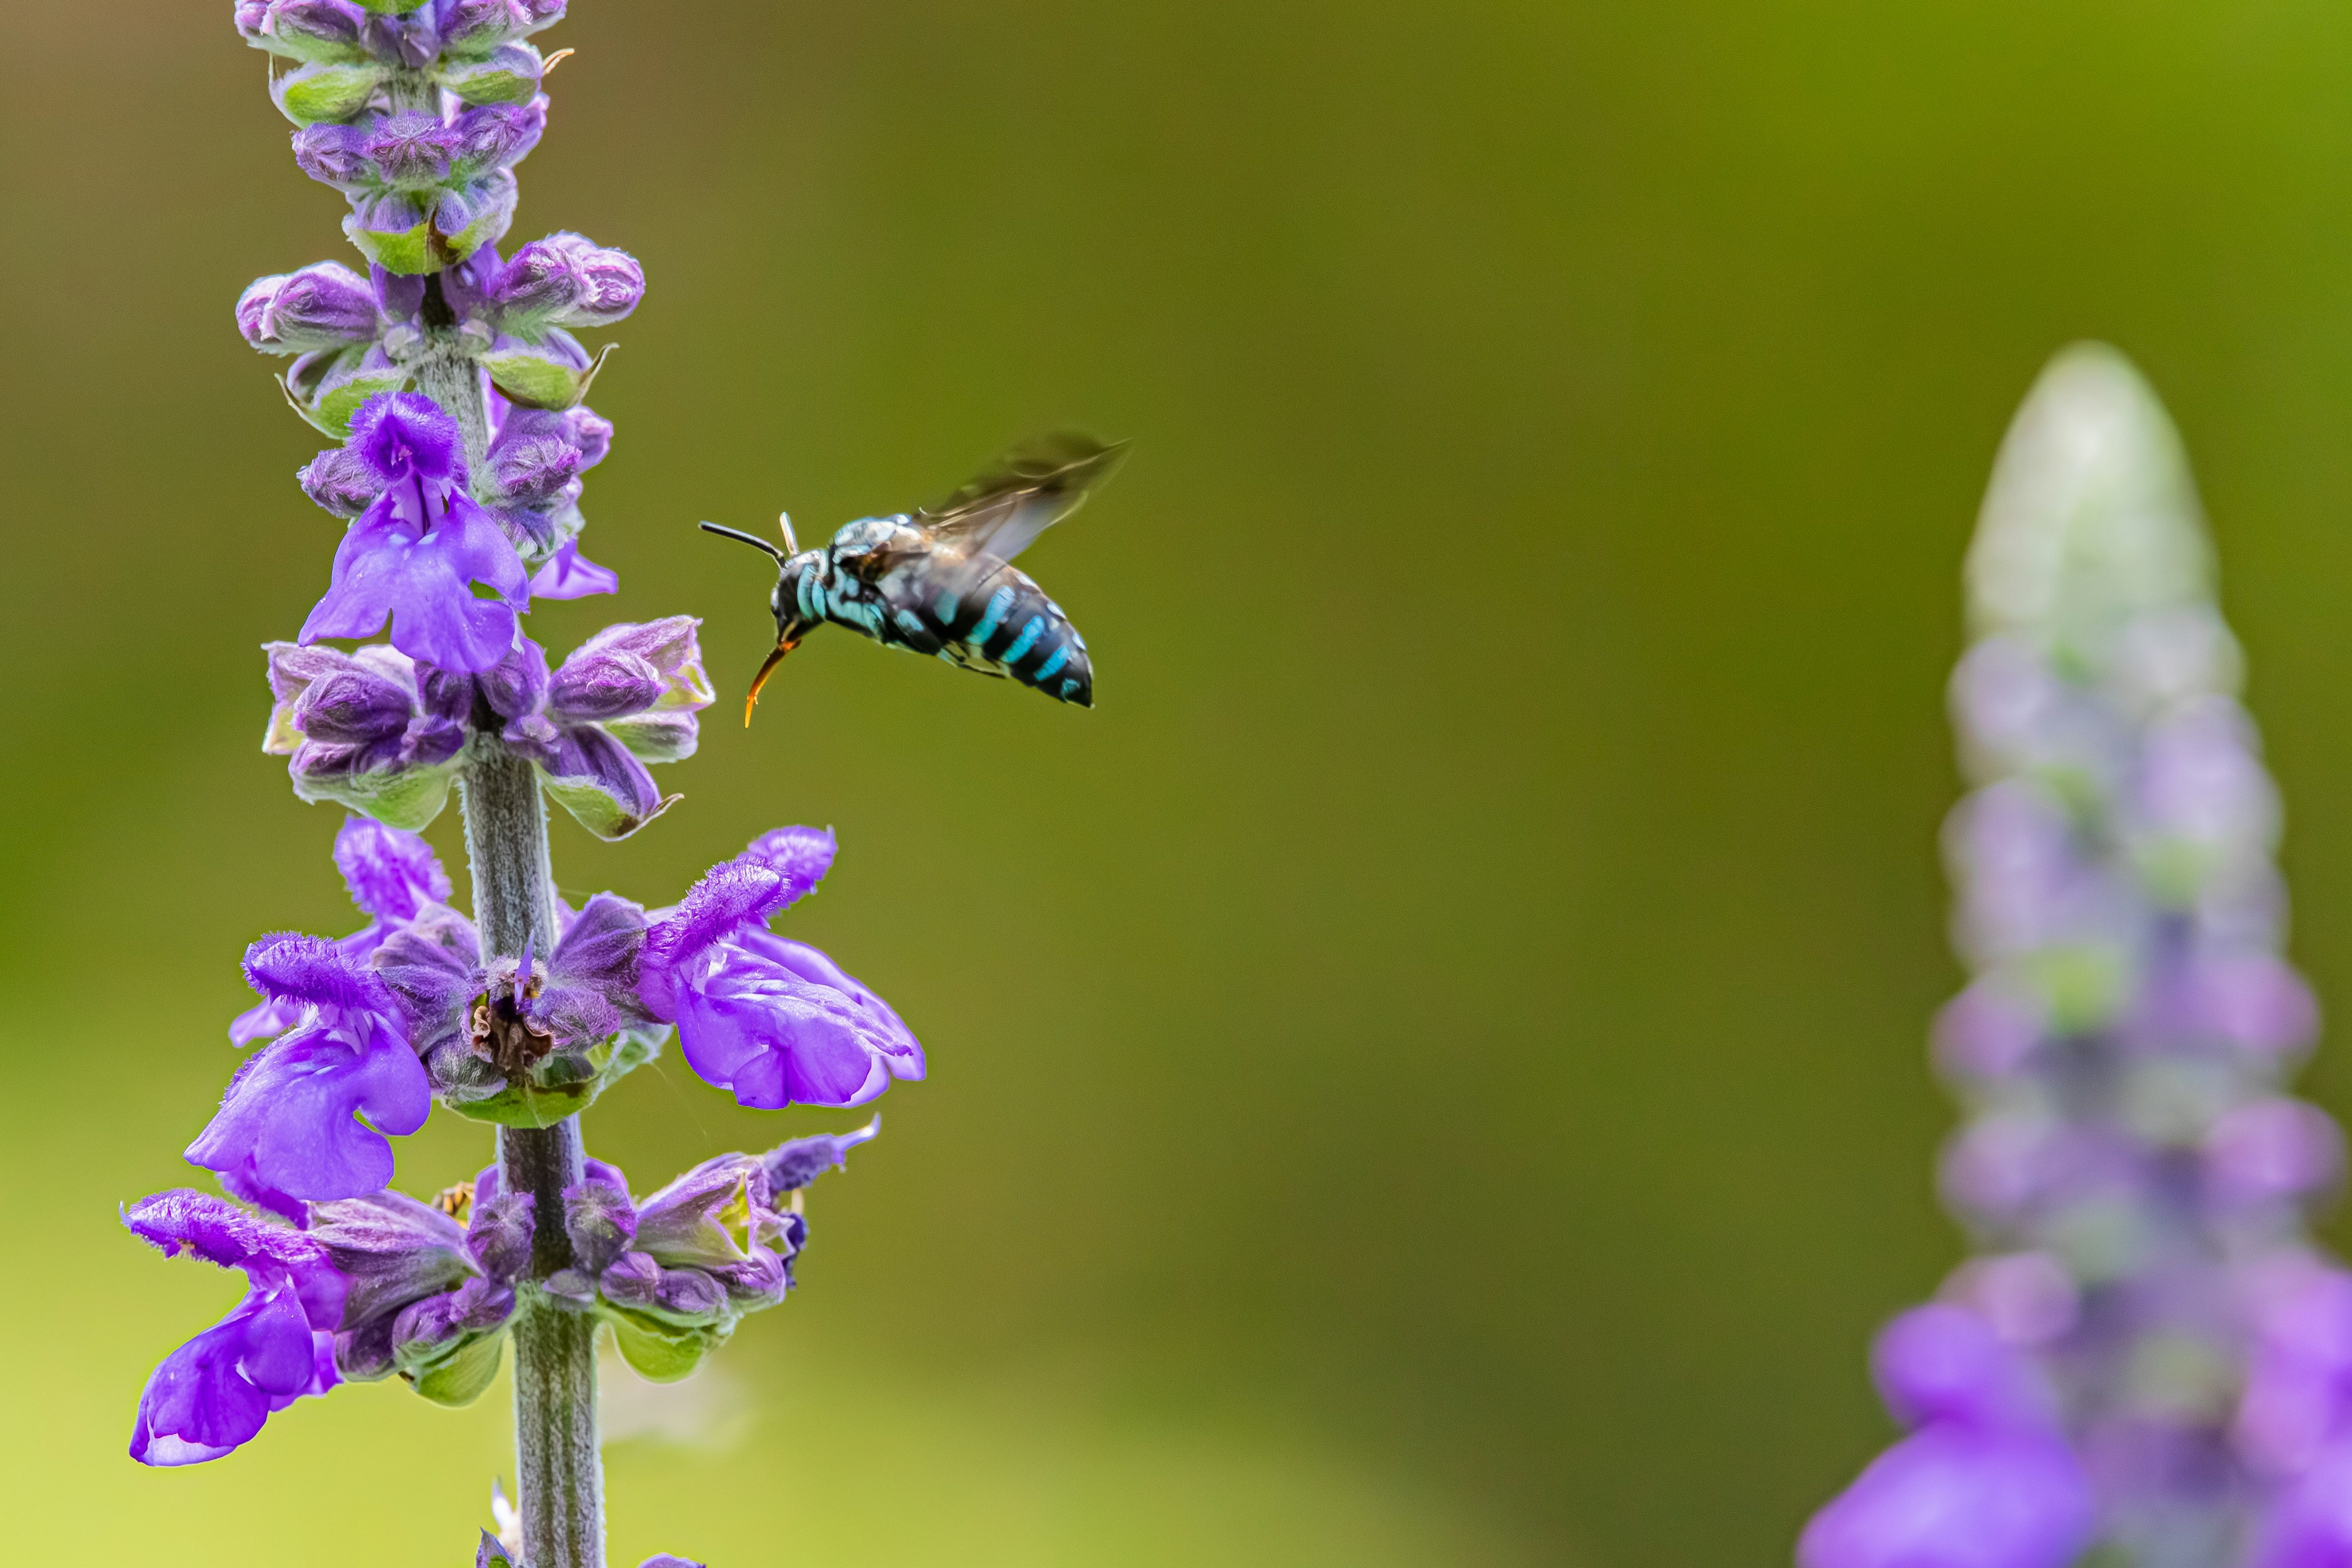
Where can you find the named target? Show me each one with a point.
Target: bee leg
(760, 679)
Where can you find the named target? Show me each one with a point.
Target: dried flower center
(511, 1042)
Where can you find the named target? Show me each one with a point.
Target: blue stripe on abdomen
(1026, 641)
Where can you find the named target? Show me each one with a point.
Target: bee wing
(1031, 488)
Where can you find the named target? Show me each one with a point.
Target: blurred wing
(1004, 511)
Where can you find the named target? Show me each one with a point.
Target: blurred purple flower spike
(2132, 1161)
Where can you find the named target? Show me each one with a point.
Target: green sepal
(324, 90)
(405, 798)
(660, 1352)
(548, 377)
(457, 1380)
(592, 808)
(407, 251)
(565, 1083)
(508, 74)
(326, 389)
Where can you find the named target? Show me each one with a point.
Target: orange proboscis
(775, 659)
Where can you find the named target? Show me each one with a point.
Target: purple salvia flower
(2131, 1161)
(289, 1128)
(411, 556)
(213, 1394)
(674, 1274)
(775, 1022)
(505, 1032)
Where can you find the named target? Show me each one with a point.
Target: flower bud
(326, 30)
(508, 74)
(411, 149)
(565, 280)
(664, 731)
(534, 461)
(323, 306)
(477, 213)
(362, 729)
(391, 231)
(589, 431)
(326, 90)
(497, 135)
(328, 386)
(555, 373)
(341, 481)
(334, 155)
(412, 39)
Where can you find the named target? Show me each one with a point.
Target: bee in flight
(941, 581)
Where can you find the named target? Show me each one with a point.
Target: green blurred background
(1429, 1071)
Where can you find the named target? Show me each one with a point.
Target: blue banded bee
(940, 581)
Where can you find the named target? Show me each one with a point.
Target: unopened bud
(508, 74)
(325, 30)
(326, 90)
(323, 306)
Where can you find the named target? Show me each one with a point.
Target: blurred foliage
(1429, 1072)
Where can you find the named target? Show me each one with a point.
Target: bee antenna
(784, 521)
(754, 540)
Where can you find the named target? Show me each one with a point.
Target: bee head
(798, 602)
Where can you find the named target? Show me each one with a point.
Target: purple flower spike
(669, 1560)
(290, 1124)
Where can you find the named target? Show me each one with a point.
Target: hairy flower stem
(559, 1473)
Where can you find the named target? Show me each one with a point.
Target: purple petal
(795, 1164)
(390, 564)
(213, 1394)
(801, 856)
(730, 896)
(290, 966)
(406, 434)
(1955, 1497)
(391, 874)
(568, 574)
(290, 1118)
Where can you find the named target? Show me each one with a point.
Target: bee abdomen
(1009, 626)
